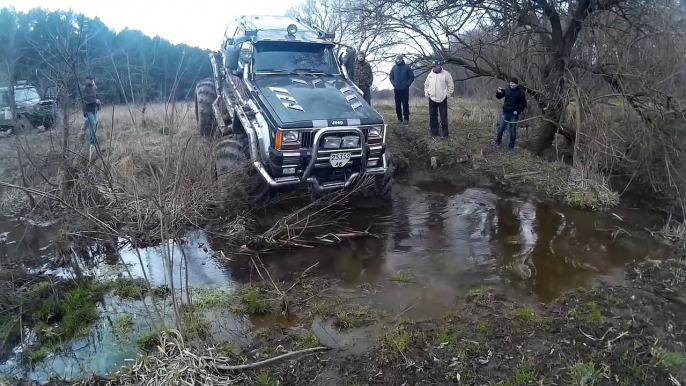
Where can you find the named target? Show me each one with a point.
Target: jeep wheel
(382, 184)
(205, 95)
(231, 158)
(49, 121)
(24, 125)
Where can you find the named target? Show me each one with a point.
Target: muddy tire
(205, 95)
(236, 178)
(382, 184)
(24, 126)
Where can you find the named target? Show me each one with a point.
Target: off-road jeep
(280, 98)
(32, 109)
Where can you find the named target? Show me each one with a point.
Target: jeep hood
(308, 101)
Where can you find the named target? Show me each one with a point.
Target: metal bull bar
(312, 181)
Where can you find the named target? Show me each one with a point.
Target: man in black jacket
(513, 106)
(401, 78)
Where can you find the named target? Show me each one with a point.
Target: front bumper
(311, 167)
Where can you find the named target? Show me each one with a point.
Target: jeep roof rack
(275, 28)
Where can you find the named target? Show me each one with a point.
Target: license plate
(338, 160)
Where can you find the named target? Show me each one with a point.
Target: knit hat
(399, 56)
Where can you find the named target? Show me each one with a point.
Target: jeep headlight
(290, 136)
(375, 132)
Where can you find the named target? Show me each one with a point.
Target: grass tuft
(124, 324)
(395, 340)
(402, 277)
(253, 300)
(527, 315)
(585, 374)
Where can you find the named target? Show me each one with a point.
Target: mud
(605, 335)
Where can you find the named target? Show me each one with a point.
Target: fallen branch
(266, 361)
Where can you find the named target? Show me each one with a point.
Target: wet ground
(435, 241)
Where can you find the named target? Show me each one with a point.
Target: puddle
(446, 239)
(451, 240)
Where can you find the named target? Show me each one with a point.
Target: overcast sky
(199, 23)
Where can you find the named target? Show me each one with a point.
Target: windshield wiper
(311, 71)
(272, 70)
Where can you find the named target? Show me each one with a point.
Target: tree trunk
(554, 107)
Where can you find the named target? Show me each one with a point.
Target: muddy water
(450, 240)
(445, 239)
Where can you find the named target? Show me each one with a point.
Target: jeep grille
(307, 137)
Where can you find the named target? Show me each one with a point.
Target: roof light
(292, 29)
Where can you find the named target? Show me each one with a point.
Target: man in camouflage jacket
(363, 76)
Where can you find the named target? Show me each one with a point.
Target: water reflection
(451, 240)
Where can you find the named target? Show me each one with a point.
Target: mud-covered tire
(205, 95)
(231, 153)
(382, 185)
(24, 126)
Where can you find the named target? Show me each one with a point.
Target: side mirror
(231, 56)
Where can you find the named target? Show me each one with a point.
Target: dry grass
(470, 151)
(150, 167)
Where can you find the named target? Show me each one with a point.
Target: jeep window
(25, 94)
(291, 57)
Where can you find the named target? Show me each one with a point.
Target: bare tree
(535, 40)
(353, 29)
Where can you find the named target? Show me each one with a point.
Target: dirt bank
(469, 154)
(629, 334)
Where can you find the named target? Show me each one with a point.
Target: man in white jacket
(438, 86)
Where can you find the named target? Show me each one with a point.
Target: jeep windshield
(293, 57)
(25, 94)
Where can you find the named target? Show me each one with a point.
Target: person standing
(401, 78)
(514, 104)
(91, 104)
(438, 86)
(363, 76)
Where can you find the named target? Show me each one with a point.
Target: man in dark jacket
(401, 78)
(363, 76)
(513, 106)
(91, 104)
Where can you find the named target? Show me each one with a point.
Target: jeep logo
(337, 123)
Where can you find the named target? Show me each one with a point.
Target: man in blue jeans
(91, 104)
(513, 106)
